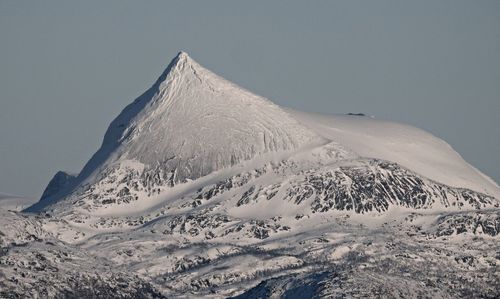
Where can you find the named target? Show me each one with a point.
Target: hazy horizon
(67, 70)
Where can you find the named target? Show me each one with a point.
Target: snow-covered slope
(203, 189)
(33, 264)
(408, 146)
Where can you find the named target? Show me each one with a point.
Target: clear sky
(67, 68)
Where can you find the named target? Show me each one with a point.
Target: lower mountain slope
(323, 209)
(33, 264)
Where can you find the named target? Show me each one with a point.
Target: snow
(195, 122)
(411, 147)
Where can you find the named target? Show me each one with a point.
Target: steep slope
(59, 182)
(190, 123)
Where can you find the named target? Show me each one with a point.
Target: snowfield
(202, 189)
(408, 146)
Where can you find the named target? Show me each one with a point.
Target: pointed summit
(178, 63)
(190, 123)
(197, 122)
(182, 56)
(180, 60)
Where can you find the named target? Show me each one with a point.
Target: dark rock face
(374, 186)
(480, 222)
(402, 272)
(362, 186)
(372, 283)
(59, 182)
(369, 185)
(83, 286)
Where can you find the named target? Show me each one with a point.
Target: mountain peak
(182, 56)
(190, 123)
(177, 64)
(181, 59)
(192, 113)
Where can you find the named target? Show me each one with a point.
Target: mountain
(202, 189)
(190, 123)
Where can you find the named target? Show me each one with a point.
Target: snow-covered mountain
(201, 188)
(190, 123)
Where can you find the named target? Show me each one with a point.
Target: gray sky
(66, 70)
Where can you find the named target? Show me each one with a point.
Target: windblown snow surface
(202, 189)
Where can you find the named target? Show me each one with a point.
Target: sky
(67, 68)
